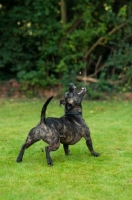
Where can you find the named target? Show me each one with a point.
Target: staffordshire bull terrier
(68, 129)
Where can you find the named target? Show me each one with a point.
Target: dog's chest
(70, 132)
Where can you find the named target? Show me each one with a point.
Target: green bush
(45, 43)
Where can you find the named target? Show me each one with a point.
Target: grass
(78, 176)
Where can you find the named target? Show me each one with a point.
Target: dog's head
(73, 98)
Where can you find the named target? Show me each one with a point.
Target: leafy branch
(102, 38)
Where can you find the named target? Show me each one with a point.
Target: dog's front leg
(48, 157)
(90, 147)
(53, 146)
(62, 102)
(66, 149)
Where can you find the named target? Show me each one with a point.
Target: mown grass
(78, 176)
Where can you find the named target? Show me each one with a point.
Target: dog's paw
(96, 154)
(50, 163)
(18, 160)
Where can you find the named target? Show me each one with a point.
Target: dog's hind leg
(31, 139)
(48, 157)
(26, 145)
(66, 149)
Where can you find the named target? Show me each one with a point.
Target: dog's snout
(82, 91)
(84, 88)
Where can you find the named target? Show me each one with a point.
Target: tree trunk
(63, 12)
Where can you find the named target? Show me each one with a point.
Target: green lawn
(79, 176)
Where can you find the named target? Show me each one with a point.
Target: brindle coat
(68, 129)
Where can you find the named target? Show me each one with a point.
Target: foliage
(78, 176)
(99, 90)
(39, 47)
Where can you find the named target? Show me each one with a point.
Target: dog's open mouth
(82, 91)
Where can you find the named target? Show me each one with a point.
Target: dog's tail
(43, 111)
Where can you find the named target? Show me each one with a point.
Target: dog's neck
(73, 110)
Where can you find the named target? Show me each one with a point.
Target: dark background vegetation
(51, 43)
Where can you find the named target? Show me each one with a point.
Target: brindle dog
(68, 129)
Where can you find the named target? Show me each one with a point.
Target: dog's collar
(73, 113)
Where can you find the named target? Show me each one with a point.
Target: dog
(67, 130)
